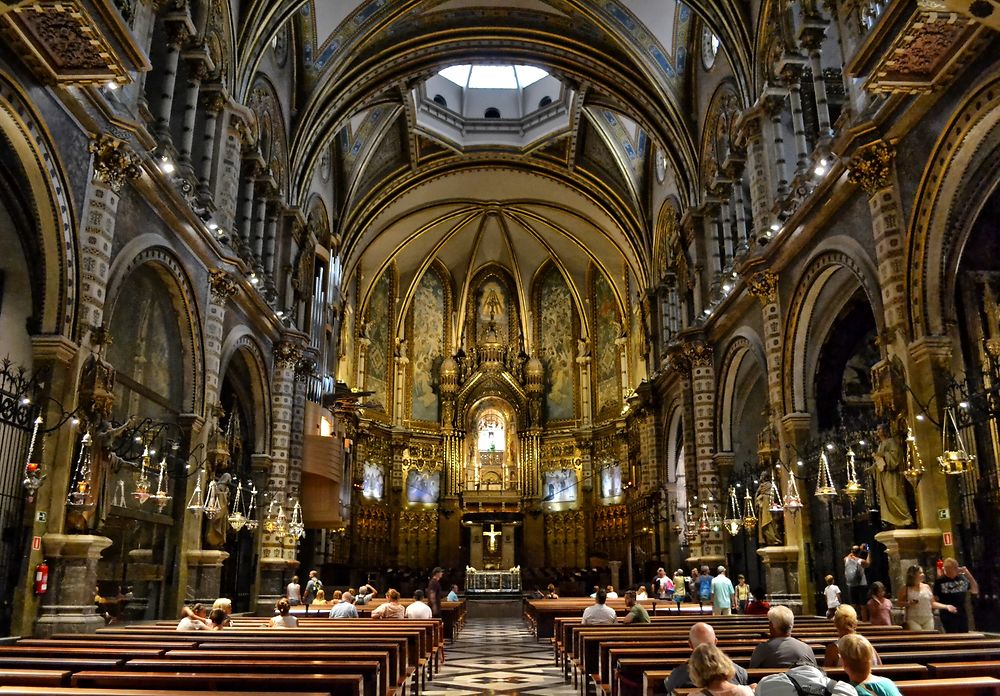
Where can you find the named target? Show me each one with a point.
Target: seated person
(225, 605)
(391, 609)
(758, 605)
(610, 592)
(636, 612)
(283, 619)
(804, 679)
(320, 598)
(365, 594)
(782, 650)
(452, 594)
(193, 619)
(599, 612)
(845, 621)
(418, 609)
(712, 671)
(680, 677)
(551, 592)
(218, 618)
(858, 655)
(344, 609)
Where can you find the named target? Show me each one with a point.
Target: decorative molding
(764, 286)
(287, 355)
(871, 167)
(222, 284)
(64, 44)
(114, 162)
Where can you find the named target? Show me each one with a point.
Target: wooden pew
(72, 664)
(71, 691)
(986, 668)
(331, 684)
(34, 677)
(961, 686)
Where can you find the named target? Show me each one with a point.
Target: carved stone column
(699, 356)
(204, 568)
(270, 239)
(198, 65)
(214, 103)
(750, 128)
(222, 286)
(244, 231)
(793, 79)
(114, 165)
(583, 360)
(69, 605)
(177, 35)
(811, 38)
(775, 106)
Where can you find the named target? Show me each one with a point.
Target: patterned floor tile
(498, 656)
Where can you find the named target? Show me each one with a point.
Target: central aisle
(500, 656)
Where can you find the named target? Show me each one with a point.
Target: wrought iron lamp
(914, 470)
(705, 525)
(957, 461)
(825, 490)
(79, 497)
(749, 512)
(196, 502)
(793, 501)
(33, 475)
(237, 520)
(733, 523)
(852, 489)
(160, 497)
(776, 505)
(142, 484)
(296, 527)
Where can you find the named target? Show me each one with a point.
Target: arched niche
(492, 452)
(243, 365)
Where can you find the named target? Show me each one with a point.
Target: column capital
(222, 284)
(287, 354)
(114, 162)
(871, 166)
(51, 348)
(764, 286)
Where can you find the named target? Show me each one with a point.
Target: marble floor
(498, 656)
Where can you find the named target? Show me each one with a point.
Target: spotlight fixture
(111, 85)
(213, 225)
(254, 279)
(166, 165)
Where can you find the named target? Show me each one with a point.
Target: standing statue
(767, 526)
(216, 528)
(889, 481)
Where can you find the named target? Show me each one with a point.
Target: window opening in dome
(492, 112)
(493, 76)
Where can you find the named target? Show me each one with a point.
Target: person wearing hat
(722, 593)
(433, 591)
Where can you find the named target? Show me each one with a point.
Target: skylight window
(493, 76)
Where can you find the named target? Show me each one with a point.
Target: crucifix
(492, 534)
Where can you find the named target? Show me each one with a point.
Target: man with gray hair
(782, 650)
(722, 593)
(680, 677)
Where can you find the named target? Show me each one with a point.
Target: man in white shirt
(344, 609)
(418, 609)
(599, 612)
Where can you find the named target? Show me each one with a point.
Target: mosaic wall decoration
(423, 486)
(556, 345)
(607, 329)
(611, 481)
(377, 327)
(493, 304)
(372, 481)
(560, 486)
(427, 345)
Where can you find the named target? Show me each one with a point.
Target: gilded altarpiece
(607, 330)
(376, 342)
(555, 333)
(611, 531)
(418, 519)
(565, 522)
(566, 539)
(371, 521)
(427, 329)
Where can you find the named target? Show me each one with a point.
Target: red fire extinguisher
(41, 578)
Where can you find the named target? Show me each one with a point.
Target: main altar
(492, 581)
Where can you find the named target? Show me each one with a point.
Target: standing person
(722, 592)
(742, 594)
(704, 587)
(599, 612)
(433, 591)
(680, 588)
(854, 574)
(952, 588)
(662, 585)
(284, 619)
(636, 612)
(693, 584)
(918, 601)
(313, 587)
(832, 593)
(879, 606)
(294, 592)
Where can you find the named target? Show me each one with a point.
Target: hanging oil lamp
(914, 470)
(80, 495)
(142, 484)
(252, 523)
(236, 518)
(196, 503)
(953, 462)
(825, 490)
(705, 525)
(33, 475)
(793, 501)
(733, 523)
(296, 527)
(161, 498)
(776, 505)
(749, 513)
(853, 489)
(212, 505)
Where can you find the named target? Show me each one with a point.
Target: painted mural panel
(423, 486)
(494, 304)
(611, 481)
(427, 344)
(560, 486)
(377, 364)
(607, 328)
(372, 481)
(556, 345)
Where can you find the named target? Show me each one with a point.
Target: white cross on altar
(492, 534)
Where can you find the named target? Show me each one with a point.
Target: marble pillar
(204, 574)
(68, 607)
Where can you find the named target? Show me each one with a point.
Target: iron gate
(16, 416)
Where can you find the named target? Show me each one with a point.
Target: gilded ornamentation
(114, 162)
(764, 286)
(222, 284)
(871, 167)
(287, 355)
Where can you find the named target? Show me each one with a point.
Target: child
(680, 588)
(832, 593)
(742, 594)
(879, 606)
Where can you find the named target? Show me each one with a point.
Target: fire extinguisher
(41, 578)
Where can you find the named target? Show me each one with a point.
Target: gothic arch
(148, 249)
(668, 222)
(800, 347)
(717, 135)
(271, 135)
(51, 207)
(964, 170)
(240, 344)
(746, 346)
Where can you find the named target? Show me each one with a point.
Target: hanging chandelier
(793, 501)
(196, 503)
(212, 505)
(733, 523)
(914, 470)
(957, 461)
(775, 504)
(251, 506)
(852, 489)
(825, 490)
(690, 530)
(705, 525)
(142, 484)
(160, 497)
(236, 518)
(749, 513)
(296, 527)
(33, 475)
(79, 496)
